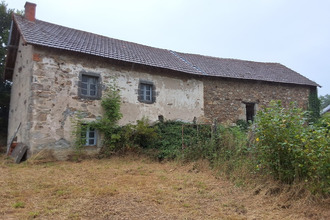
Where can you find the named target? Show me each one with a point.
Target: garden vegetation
(282, 143)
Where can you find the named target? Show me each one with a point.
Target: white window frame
(146, 92)
(90, 137)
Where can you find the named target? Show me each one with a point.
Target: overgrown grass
(135, 187)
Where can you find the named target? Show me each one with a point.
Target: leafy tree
(5, 22)
(325, 101)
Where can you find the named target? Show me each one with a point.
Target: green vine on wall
(79, 126)
(108, 124)
(313, 105)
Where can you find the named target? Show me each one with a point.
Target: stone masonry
(224, 99)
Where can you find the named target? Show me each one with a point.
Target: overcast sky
(295, 33)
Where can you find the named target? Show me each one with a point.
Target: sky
(295, 33)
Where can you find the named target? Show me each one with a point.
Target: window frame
(86, 135)
(89, 76)
(90, 130)
(143, 92)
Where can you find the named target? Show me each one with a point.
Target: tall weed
(290, 148)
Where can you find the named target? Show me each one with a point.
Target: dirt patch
(137, 188)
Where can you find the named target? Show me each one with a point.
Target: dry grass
(136, 188)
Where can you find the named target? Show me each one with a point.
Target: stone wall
(224, 99)
(55, 100)
(20, 101)
(45, 96)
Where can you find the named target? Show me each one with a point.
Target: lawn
(136, 188)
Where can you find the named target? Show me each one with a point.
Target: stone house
(57, 71)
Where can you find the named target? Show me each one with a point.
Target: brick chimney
(30, 11)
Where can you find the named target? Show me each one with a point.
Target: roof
(60, 37)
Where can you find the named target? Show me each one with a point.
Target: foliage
(192, 142)
(107, 125)
(317, 153)
(5, 87)
(278, 133)
(283, 143)
(325, 101)
(5, 22)
(115, 138)
(140, 134)
(79, 127)
(224, 144)
(169, 141)
(289, 148)
(243, 124)
(313, 106)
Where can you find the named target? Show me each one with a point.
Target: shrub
(243, 124)
(317, 154)
(291, 149)
(139, 135)
(278, 132)
(216, 145)
(169, 141)
(107, 125)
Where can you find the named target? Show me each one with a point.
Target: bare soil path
(136, 188)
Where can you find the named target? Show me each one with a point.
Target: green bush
(291, 149)
(139, 135)
(216, 145)
(108, 124)
(169, 141)
(243, 124)
(316, 151)
(278, 132)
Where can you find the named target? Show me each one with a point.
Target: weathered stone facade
(49, 87)
(45, 96)
(225, 99)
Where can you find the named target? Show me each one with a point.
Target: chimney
(30, 11)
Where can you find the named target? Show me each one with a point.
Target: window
(89, 86)
(89, 134)
(146, 92)
(250, 111)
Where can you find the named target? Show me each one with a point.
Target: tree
(325, 101)
(5, 23)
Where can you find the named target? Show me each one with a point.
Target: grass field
(136, 188)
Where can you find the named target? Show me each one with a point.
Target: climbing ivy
(79, 127)
(108, 124)
(314, 105)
